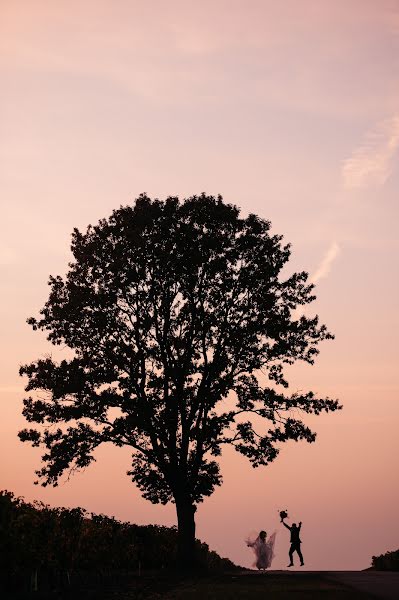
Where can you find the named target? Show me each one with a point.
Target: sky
(289, 110)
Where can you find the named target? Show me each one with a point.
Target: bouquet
(283, 514)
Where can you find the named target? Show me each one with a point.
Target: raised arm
(285, 525)
(300, 525)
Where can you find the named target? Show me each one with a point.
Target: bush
(386, 562)
(38, 542)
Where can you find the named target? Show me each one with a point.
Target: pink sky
(290, 110)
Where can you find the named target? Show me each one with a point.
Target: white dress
(263, 551)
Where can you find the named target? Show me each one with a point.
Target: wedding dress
(263, 550)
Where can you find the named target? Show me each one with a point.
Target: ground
(282, 585)
(240, 585)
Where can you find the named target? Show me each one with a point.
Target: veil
(251, 538)
(270, 543)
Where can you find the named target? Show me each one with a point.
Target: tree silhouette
(169, 308)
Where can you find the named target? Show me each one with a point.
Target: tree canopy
(181, 324)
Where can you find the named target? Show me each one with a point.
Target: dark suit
(295, 542)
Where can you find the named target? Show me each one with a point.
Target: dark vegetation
(44, 549)
(386, 562)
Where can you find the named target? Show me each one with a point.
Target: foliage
(35, 536)
(171, 310)
(386, 562)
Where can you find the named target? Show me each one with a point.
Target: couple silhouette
(263, 547)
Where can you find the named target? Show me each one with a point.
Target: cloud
(322, 271)
(371, 163)
(324, 268)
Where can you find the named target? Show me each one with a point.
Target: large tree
(180, 324)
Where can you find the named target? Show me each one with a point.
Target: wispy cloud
(324, 267)
(371, 163)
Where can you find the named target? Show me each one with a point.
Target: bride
(263, 549)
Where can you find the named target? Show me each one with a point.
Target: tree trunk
(186, 554)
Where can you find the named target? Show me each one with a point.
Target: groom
(295, 542)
